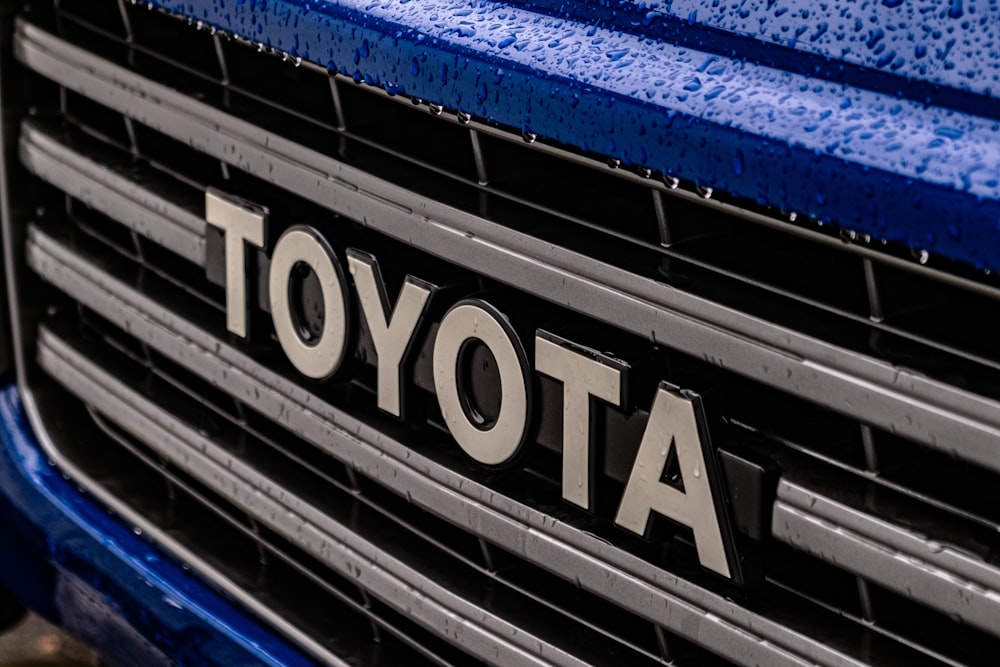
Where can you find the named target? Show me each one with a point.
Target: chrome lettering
(673, 424)
(583, 376)
(392, 329)
(319, 359)
(240, 223)
(495, 444)
(675, 427)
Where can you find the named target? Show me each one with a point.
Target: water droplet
(949, 132)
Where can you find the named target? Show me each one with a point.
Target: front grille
(859, 373)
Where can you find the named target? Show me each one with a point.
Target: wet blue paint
(65, 557)
(922, 171)
(948, 43)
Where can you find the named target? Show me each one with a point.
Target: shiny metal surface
(172, 225)
(318, 359)
(499, 443)
(884, 549)
(392, 327)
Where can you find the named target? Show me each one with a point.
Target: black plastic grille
(787, 272)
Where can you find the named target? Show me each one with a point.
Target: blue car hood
(878, 117)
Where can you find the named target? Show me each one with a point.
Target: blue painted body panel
(65, 557)
(952, 44)
(820, 127)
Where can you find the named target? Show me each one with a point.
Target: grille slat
(906, 572)
(169, 221)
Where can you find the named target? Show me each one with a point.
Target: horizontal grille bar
(935, 573)
(155, 216)
(931, 412)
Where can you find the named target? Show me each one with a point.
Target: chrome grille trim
(475, 629)
(891, 554)
(703, 617)
(934, 413)
(144, 212)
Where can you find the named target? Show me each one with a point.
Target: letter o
(303, 245)
(502, 441)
